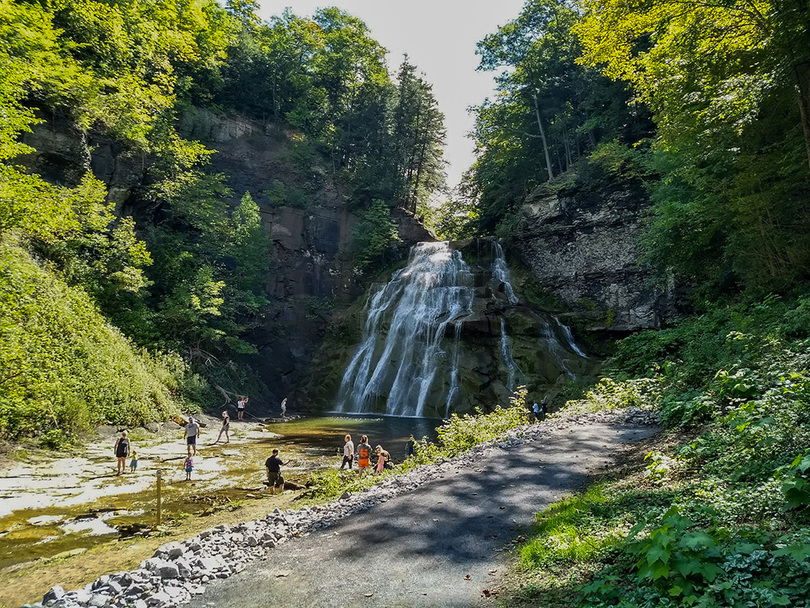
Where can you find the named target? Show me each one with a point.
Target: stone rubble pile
(179, 570)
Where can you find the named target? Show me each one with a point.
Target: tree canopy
(719, 90)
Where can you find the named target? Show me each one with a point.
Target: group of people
(539, 410)
(363, 453)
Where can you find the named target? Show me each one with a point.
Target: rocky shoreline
(178, 571)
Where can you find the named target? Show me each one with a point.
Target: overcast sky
(439, 37)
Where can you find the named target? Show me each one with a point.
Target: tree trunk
(543, 139)
(803, 98)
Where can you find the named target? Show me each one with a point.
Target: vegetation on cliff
(185, 275)
(703, 106)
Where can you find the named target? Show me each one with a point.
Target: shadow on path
(435, 546)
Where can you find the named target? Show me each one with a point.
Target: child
(133, 464)
(363, 455)
(382, 460)
(189, 466)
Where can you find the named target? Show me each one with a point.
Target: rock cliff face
(308, 280)
(486, 351)
(585, 250)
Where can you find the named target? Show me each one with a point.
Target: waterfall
(506, 353)
(401, 355)
(570, 338)
(558, 352)
(500, 271)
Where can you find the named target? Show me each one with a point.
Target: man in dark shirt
(274, 478)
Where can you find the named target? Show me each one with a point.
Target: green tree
(419, 137)
(723, 80)
(372, 237)
(549, 111)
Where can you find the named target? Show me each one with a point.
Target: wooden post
(159, 475)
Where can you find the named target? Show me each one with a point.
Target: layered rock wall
(586, 251)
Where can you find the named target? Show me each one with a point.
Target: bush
(455, 436)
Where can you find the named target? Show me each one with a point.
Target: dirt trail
(440, 545)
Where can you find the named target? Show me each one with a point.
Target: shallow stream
(70, 504)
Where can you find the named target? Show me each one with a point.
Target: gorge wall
(584, 249)
(303, 209)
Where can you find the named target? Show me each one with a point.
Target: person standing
(240, 407)
(274, 464)
(284, 407)
(348, 452)
(189, 467)
(192, 430)
(410, 447)
(544, 406)
(225, 428)
(536, 411)
(122, 448)
(133, 464)
(363, 455)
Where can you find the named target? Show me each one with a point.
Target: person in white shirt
(348, 452)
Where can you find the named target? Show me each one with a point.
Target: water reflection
(324, 435)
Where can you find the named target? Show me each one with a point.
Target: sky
(439, 37)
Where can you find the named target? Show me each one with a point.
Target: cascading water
(559, 353)
(570, 338)
(506, 353)
(500, 271)
(401, 355)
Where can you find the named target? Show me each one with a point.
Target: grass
(715, 511)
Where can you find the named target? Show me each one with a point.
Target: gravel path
(441, 544)
(436, 536)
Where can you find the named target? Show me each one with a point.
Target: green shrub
(455, 436)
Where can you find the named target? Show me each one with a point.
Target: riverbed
(51, 506)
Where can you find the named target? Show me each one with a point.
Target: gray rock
(183, 567)
(81, 596)
(172, 550)
(158, 599)
(99, 599)
(113, 588)
(55, 593)
(194, 547)
(152, 564)
(168, 570)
